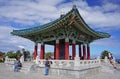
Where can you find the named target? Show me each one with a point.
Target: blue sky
(100, 15)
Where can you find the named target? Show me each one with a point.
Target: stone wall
(69, 69)
(68, 73)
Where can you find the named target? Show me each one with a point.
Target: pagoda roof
(64, 19)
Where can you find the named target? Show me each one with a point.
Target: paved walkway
(6, 73)
(115, 75)
(103, 75)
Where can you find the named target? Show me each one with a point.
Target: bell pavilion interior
(68, 30)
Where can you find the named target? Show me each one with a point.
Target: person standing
(47, 66)
(111, 60)
(16, 68)
(24, 54)
(50, 58)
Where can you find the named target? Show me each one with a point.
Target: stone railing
(69, 69)
(70, 63)
(9, 61)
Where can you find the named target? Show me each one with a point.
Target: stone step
(26, 66)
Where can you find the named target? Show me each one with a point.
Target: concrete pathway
(6, 73)
(108, 75)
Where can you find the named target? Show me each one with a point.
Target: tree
(18, 53)
(49, 54)
(104, 53)
(28, 54)
(2, 53)
(11, 54)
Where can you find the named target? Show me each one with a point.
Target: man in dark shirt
(25, 55)
(47, 66)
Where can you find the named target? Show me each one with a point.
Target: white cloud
(9, 42)
(107, 7)
(101, 20)
(22, 47)
(28, 12)
(107, 42)
(111, 44)
(103, 16)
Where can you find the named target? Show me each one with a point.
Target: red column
(84, 52)
(66, 49)
(57, 51)
(73, 49)
(35, 51)
(42, 51)
(80, 52)
(88, 52)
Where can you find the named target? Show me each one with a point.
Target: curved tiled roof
(44, 27)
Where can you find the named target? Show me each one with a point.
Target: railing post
(37, 60)
(77, 61)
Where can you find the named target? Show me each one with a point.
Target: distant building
(2, 57)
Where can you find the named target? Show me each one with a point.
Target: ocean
(117, 60)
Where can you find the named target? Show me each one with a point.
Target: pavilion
(68, 29)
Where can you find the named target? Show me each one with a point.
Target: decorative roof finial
(62, 13)
(74, 6)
